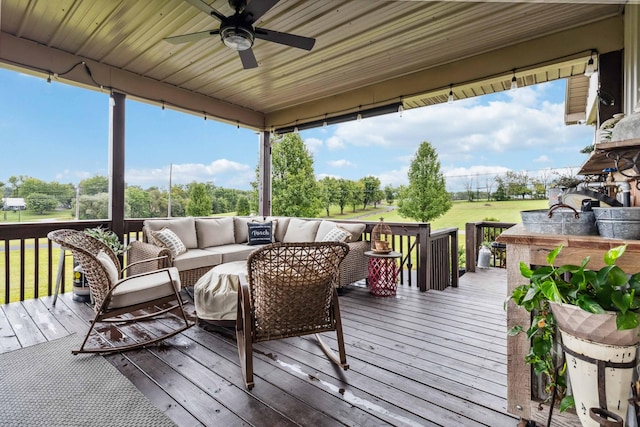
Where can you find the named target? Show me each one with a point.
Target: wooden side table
(383, 273)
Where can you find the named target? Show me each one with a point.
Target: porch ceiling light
(237, 38)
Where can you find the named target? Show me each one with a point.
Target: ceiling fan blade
(186, 38)
(287, 39)
(200, 4)
(256, 8)
(248, 59)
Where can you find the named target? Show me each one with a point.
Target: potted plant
(595, 311)
(109, 238)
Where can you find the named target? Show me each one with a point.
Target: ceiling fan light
(237, 38)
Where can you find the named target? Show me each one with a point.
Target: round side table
(383, 273)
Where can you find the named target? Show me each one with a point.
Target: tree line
(295, 191)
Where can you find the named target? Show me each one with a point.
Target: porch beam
(32, 58)
(264, 183)
(570, 45)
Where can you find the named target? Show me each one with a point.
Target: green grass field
(463, 212)
(457, 216)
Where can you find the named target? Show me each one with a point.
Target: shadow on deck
(432, 358)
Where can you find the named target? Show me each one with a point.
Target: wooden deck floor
(419, 359)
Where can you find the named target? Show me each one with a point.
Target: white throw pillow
(109, 266)
(337, 234)
(170, 240)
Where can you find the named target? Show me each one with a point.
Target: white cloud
(313, 144)
(342, 163)
(394, 177)
(542, 159)
(335, 143)
(221, 172)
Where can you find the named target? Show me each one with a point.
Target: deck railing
(477, 233)
(431, 258)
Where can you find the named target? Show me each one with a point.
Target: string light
(590, 68)
(163, 105)
(49, 78)
(205, 116)
(514, 81)
(450, 99)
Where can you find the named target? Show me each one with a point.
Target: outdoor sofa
(210, 241)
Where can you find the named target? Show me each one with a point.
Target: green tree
(356, 195)
(343, 193)
(426, 196)
(389, 194)
(294, 188)
(199, 200)
(138, 201)
(328, 192)
(93, 206)
(242, 206)
(371, 189)
(94, 185)
(41, 203)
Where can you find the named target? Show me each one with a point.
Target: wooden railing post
(455, 267)
(425, 255)
(470, 247)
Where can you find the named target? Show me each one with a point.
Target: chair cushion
(170, 240)
(109, 266)
(300, 230)
(185, 229)
(337, 234)
(260, 233)
(145, 287)
(214, 232)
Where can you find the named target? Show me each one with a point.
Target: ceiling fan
(237, 31)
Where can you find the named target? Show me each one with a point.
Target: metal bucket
(618, 223)
(560, 219)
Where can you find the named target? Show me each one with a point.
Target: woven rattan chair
(290, 291)
(127, 300)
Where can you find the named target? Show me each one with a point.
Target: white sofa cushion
(300, 230)
(184, 228)
(356, 229)
(169, 240)
(236, 252)
(324, 227)
(215, 232)
(196, 258)
(337, 234)
(281, 228)
(240, 228)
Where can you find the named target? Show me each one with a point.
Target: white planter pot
(616, 359)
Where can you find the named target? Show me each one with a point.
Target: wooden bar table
(532, 249)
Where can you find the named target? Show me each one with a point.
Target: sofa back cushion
(356, 229)
(240, 228)
(184, 228)
(215, 232)
(324, 227)
(300, 230)
(281, 228)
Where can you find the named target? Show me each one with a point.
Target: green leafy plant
(107, 237)
(596, 291)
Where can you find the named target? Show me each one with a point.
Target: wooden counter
(532, 249)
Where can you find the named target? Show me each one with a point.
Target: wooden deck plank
(24, 327)
(8, 339)
(421, 358)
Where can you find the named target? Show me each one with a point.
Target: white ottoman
(216, 293)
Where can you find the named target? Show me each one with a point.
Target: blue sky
(57, 132)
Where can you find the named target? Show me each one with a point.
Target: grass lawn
(29, 216)
(463, 212)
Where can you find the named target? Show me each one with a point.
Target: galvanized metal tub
(618, 223)
(560, 219)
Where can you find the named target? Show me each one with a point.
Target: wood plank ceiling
(368, 53)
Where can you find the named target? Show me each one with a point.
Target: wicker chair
(122, 300)
(290, 292)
